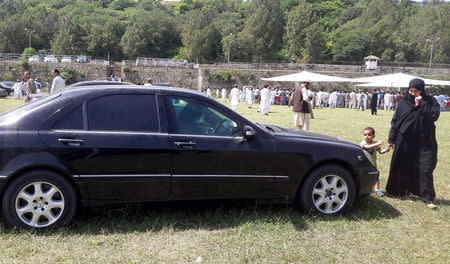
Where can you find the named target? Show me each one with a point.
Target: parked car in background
(7, 86)
(3, 93)
(82, 59)
(66, 59)
(94, 83)
(162, 84)
(102, 145)
(34, 58)
(50, 58)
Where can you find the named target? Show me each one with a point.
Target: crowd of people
(28, 85)
(358, 100)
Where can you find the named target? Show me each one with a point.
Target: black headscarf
(419, 84)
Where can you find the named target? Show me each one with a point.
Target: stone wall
(201, 76)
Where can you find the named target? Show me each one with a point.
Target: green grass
(377, 230)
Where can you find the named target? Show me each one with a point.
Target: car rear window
(72, 121)
(123, 112)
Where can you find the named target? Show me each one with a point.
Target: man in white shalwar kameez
(208, 92)
(17, 88)
(387, 101)
(250, 97)
(224, 95)
(234, 97)
(265, 100)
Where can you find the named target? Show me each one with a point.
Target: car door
(121, 152)
(211, 158)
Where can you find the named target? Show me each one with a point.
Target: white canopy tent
(306, 76)
(396, 80)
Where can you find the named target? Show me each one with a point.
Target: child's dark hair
(371, 130)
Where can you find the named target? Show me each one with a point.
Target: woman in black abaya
(413, 134)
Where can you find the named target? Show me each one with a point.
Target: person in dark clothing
(415, 154)
(374, 102)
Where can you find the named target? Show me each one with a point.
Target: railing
(41, 58)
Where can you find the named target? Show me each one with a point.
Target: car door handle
(71, 141)
(188, 145)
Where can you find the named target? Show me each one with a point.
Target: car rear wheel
(39, 199)
(329, 190)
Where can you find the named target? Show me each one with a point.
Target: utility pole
(432, 44)
(229, 46)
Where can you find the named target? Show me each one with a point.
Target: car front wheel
(39, 199)
(329, 190)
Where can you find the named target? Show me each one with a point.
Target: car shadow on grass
(206, 215)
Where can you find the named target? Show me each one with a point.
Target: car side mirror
(249, 132)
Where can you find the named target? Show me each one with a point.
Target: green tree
(151, 34)
(428, 23)
(315, 44)
(29, 51)
(13, 37)
(298, 21)
(121, 4)
(201, 37)
(70, 38)
(104, 37)
(350, 44)
(263, 31)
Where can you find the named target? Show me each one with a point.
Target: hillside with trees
(209, 31)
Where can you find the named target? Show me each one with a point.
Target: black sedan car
(7, 86)
(3, 93)
(102, 145)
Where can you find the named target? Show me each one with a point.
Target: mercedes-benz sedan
(101, 145)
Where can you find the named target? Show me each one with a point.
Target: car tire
(329, 190)
(39, 199)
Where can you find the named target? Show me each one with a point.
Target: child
(368, 145)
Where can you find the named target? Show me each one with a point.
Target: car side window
(198, 118)
(123, 112)
(72, 121)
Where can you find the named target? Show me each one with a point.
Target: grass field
(377, 230)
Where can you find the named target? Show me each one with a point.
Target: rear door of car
(211, 158)
(118, 148)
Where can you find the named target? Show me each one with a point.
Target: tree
(13, 37)
(315, 44)
(263, 31)
(121, 4)
(70, 38)
(151, 34)
(104, 36)
(201, 37)
(298, 21)
(350, 44)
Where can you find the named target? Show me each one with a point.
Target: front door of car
(119, 150)
(211, 158)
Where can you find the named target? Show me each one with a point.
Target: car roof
(92, 83)
(131, 87)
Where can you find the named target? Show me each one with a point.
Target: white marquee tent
(396, 80)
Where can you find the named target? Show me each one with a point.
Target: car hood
(294, 132)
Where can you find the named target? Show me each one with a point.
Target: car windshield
(15, 114)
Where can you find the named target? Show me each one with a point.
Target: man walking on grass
(301, 106)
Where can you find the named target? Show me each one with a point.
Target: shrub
(68, 75)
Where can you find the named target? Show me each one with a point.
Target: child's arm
(374, 145)
(382, 151)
